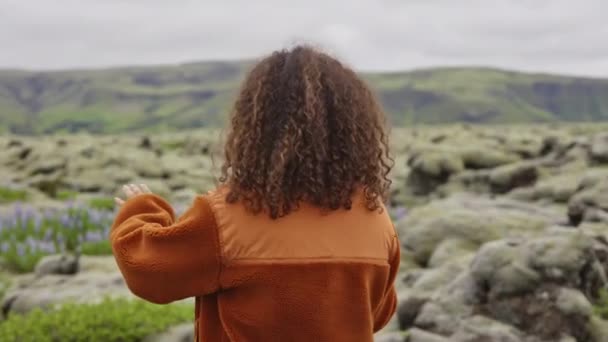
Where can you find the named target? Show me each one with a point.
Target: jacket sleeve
(163, 259)
(385, 311)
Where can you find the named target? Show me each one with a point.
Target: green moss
(8, 195)
(65, 195)
(601, 305)
(96, 248)
(102, 203)
(110, 320)
(173, 145)
(478, 157)
(5, 283)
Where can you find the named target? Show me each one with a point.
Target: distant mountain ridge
(197, 95)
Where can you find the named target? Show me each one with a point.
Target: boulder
(535, 289)
(558, 189)
(147, 164)
(61, 278)
(590, 204)
(480, 328)
(472, 221)
(57, 264)
(477, 156)
(506, 178)
(90, 180)
(47, 165)
(599, 148)
(51, 289)
(429, 169)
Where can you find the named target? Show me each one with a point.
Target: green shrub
(4, 284)
(111, 320)
(601, 306)
(102, 203)
(173, 145)
(65, 195)
(96, 248)
(8, 195)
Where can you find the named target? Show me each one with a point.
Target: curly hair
(305, 128)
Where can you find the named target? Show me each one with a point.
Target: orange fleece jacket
(305, 277)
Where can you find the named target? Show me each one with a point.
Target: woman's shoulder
(216, 196)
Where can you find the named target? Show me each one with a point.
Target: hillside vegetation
(200, 94)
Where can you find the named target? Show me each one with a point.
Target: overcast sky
(564, 36)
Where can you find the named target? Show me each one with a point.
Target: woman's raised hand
(132, 190)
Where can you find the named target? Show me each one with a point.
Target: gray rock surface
(96, 278)
(515, 273)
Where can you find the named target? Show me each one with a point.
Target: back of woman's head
(305, 128)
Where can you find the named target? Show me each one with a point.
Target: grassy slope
(199, 94)
(491, 96)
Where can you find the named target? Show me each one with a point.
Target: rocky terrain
(504, 229)
(45, 169)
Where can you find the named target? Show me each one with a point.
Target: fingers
(135, 189)
(132, 190)
(145, 188)
(128, 191)
(119, 202)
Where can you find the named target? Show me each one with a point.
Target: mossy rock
(485, 158)
(506, 178)
(11, 194)
(473, 220)
(436, 163)
(18, 193)
(558, 189)
(430, 169)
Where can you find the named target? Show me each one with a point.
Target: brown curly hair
(305, 128)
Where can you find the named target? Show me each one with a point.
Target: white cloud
(539, 35)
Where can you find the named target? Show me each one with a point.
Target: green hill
(199, 95)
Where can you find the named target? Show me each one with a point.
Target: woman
(295, 244)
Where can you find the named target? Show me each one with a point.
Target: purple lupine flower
(37, 223)
(32, 244)
(48, 213)
(48, 234)
(65, 220)
(94, 216)
(47, 247)
(27, 213)
(59, 240)
(18, 210)
(13, 221)
(94, 236)
(399, 213)
(109, 217)
(60, 243)
(20, 250)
